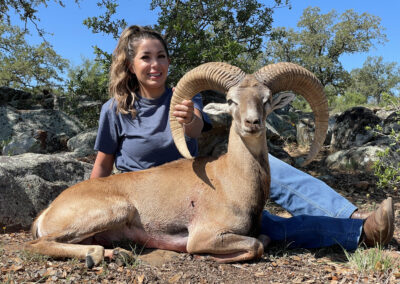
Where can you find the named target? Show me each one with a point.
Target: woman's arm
(103, 165)
(190, 117)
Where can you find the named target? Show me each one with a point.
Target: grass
(28, 257)
(371, 260)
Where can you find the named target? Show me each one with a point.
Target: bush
(87, 83)
(386, 169)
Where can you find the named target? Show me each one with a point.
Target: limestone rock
(29, 182)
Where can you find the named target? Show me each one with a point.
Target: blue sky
(72, 40)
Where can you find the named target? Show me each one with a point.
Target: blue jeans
(317, 209)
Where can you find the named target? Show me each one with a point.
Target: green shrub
(386, 169)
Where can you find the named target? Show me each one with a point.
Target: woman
(134, 134)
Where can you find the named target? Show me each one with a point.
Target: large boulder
(351, 128)
(29, 182)
(361, 158)
(82, 145)
(356, 142)
(38, 131)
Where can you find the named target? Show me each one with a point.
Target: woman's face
(150, 65)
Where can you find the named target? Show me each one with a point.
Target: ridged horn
(287, 76)
(217, 76)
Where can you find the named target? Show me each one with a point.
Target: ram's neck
(247, 152)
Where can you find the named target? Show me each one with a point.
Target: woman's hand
(190, 117)
(184, 112)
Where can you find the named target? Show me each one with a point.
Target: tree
(320, 41)
(87, 82)
(375, 78)
(89, 79)
(26, 9)
(24, 66)
(201, 31)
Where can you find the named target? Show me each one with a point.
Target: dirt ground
(278, 264)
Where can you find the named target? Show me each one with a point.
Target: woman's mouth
(155, 75)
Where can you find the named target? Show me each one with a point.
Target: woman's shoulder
(109, 106)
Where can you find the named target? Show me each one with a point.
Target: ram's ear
(216, 108)
(282, 99)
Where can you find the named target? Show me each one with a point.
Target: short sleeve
(198, 103)
(107, 135)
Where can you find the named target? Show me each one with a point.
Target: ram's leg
(92, 254)
(225, 247)
(82, 233)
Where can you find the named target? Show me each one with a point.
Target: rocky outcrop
(28, 182)
(351, 128)
(355, 143)
(37, 131)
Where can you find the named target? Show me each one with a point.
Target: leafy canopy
(376, 78)
(200, 31)
(321, 39)
(24, 66)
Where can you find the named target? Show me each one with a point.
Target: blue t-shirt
(144, 141)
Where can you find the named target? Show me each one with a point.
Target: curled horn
(291, 77)
(216, 76)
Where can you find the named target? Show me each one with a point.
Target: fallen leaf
(175, 278)
(259, 274)
(140, 279)
(378, 265)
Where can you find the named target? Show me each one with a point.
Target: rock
(280, 129)
(383, 113)
(357, 158)
(391, 123)
(29, 182)
(22, 143)
(350, 129)
(157, 257)
(39, 131)
(8, 95)
(82, 144)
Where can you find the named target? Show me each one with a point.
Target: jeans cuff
(346, 211)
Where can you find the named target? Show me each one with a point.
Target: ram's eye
(230, 102)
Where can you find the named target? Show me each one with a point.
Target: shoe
(379, 226)
(360, 215)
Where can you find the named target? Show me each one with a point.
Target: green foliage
(386, 169)
(24, 66)
(348, 100)
(200, 31)
(87, 82)
(370, 260)
(375, 78)
(104, 23)
(321, 39)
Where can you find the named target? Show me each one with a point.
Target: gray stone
(82, 144)
(39, 131)
(351, 128)
(358, 158)
(29, 182)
